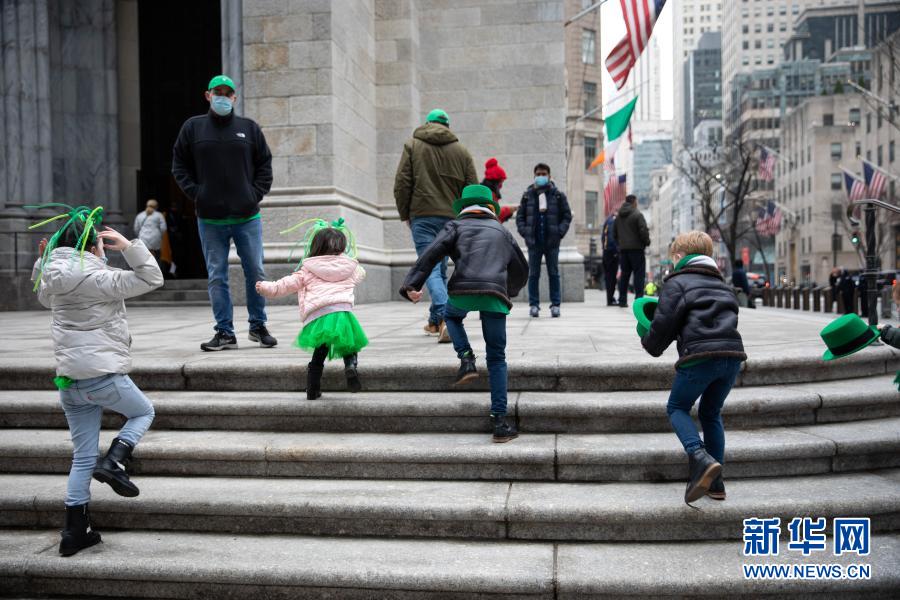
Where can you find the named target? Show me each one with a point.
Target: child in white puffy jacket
(324, 285)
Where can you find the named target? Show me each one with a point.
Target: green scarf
(684, 261)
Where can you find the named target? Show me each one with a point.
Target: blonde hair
(692, 242)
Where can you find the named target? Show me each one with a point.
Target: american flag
(766, 164)
(613, 194)
(769, 220)
(856, 187)
(640, 17)
(875, 180)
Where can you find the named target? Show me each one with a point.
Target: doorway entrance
(180, 50)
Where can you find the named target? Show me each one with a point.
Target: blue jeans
(710, 381)
(83, 404)
(551, 255)
(424, 230)
(216, 241)
(493, 328)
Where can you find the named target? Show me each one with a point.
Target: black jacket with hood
(223, 164)
(631, 228)
(699, 310)
(486, 259)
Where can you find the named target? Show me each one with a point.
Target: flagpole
(778, 155)
(880, 170)
(585, 12)
(851, 173)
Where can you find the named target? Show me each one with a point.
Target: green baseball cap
(438, 116)
(221, 80)
(476, 194)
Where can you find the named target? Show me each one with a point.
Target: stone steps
(280, 371)
(775, 451)
(201, 565)
(574, 412)
(496, 510)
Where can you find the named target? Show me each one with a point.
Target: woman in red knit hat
(494, 176)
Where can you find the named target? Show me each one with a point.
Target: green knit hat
(846, 335)
(221, 80)
(438, 116)
(476, 194)
(644, 308)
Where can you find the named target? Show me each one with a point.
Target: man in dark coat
(543, 219)
(740, 281)
(633, 238)
(610, 258)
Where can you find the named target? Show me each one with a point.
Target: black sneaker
(220, 341)
(467, 371)
(262, 335)
(503, 430)
(717, 489)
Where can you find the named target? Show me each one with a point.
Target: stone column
(233, 44)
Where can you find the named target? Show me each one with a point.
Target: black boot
(717, 489)
(703, 469)
(77, 534)
(467, 371)
(503, 430)
(113, 467)
(314, 380)
(352, 373)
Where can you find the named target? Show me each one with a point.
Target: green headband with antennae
(91, 218)
(315, 226)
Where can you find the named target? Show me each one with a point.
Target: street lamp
(871, 273)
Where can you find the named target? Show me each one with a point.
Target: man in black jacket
(633, 237)
(489, 268)
(740, 281)
(543, 219)
(700, 311)
(223, 163)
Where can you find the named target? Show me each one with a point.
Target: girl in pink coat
(324, 286)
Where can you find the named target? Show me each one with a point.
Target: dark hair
(544, 166)
(71, 236)
(738, 264)
(630, 198)
(328, 242)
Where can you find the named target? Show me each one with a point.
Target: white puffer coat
(89, 329)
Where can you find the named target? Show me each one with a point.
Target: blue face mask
(221, 105)
(541, 180)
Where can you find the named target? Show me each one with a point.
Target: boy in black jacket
(700, 311)
(489, 268)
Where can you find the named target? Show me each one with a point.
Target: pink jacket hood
(331, 268)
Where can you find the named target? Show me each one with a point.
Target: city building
(702, 84)
(662, 231)
(584, 123)
(648, 156)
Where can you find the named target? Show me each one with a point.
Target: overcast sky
(613, 29)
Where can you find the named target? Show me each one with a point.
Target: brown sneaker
(432, 329)
(445, 335)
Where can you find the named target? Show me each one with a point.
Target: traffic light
(854, 238)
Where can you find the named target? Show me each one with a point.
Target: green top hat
(438, 116)
(643, 309)
(476, 194)
(846, 335)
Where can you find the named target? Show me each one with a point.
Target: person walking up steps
(91, 344)
(700, 311)
(324, 284)
(489, 269)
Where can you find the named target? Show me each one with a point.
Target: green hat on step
(438, 116)
(221, 80)
(846, 335)
(476, 194)
(644, 309)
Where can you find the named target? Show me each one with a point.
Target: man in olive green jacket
(432, 173)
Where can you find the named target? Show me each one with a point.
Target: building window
(590, 151)
(746, 45)
(828, 120)
(854, 116)
(880, 155)
(757, 44)
(745, 29)
(836, 181)
(879, 119)
(588, 46)
(891, 151)
(868, 122)
(590, 210)
(858, 150)
(836, 151)
(590, 96)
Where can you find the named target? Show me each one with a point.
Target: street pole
(871, 274)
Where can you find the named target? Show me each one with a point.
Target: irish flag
(616, 124)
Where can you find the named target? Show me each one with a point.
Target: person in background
(740, 281)
(150, 226)
(494, 176)
(610, 258)
(633, 238)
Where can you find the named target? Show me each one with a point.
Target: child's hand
(113, 240)
(414, 295)
(261, 288)
(42, 245)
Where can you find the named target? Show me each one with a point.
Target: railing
(822, 299)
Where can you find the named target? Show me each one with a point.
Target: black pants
(631, 261)
(321, 353)
(610, 274)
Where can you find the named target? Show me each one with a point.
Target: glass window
(858, 150)
(836, 181)
(868, 122)
(590, 151)
(891, 152)
(880, 155)
(836, 151)
(854, 116)
(590, 96)
(828, 120)
(590, 210)
(588, 46)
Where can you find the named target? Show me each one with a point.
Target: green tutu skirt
(340, 331)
